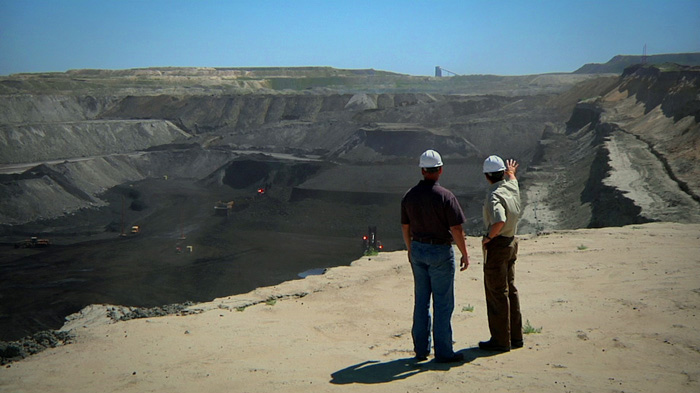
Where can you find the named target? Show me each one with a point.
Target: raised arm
(511, 168)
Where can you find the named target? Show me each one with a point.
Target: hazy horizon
(465, 37)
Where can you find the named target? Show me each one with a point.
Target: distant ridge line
(617, 64)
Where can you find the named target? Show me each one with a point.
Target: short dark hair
(495, 176)
(432, 170)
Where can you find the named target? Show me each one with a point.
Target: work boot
(492, 346)
(420, 358)
(457, 357)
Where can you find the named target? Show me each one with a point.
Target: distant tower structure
(439, 70)
(644, 55)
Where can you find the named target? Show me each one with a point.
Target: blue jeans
(433, 274)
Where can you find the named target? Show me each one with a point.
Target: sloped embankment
(201, 114)
(52, 141)
(48, 108)
(628, 156)
(50, 191)
(667, 101)
(97, 143)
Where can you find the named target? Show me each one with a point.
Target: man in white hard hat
(501, 214)
(431, 219)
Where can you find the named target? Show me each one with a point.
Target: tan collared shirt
(503, 204)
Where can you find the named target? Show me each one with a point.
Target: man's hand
(511, 168)
(464, 263)
(458, 236)
(494, 230)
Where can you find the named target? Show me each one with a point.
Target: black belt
(428, 240)
(501, 241)
(502, 237)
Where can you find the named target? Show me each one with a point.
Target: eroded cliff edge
(628, 155)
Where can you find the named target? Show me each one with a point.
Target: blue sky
(412, 37)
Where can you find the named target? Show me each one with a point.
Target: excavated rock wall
(46, 192)
(39, 108)
(659, 108)
(641, 142)
(202, 114)
(63, 140)
(92, 144)
(670, 121)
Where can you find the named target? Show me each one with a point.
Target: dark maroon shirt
(431, 210)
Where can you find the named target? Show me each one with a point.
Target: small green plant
(583, 247)
(528, 329)
(271, 301)
(371, 252)
(468, 308)
(240, 308)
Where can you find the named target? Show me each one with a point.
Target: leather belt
(428, 240)
(502, 237)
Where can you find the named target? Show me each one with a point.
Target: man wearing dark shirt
(431, 219)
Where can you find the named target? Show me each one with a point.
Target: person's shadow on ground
(373, 371)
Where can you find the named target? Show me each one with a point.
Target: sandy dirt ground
(618, 310)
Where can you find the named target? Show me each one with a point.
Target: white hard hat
(430, 159)
(494, 164)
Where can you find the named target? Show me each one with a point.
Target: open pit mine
(149, 187)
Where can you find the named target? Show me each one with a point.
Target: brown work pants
(502, 303)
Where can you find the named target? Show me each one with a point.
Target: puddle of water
(312, 272)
